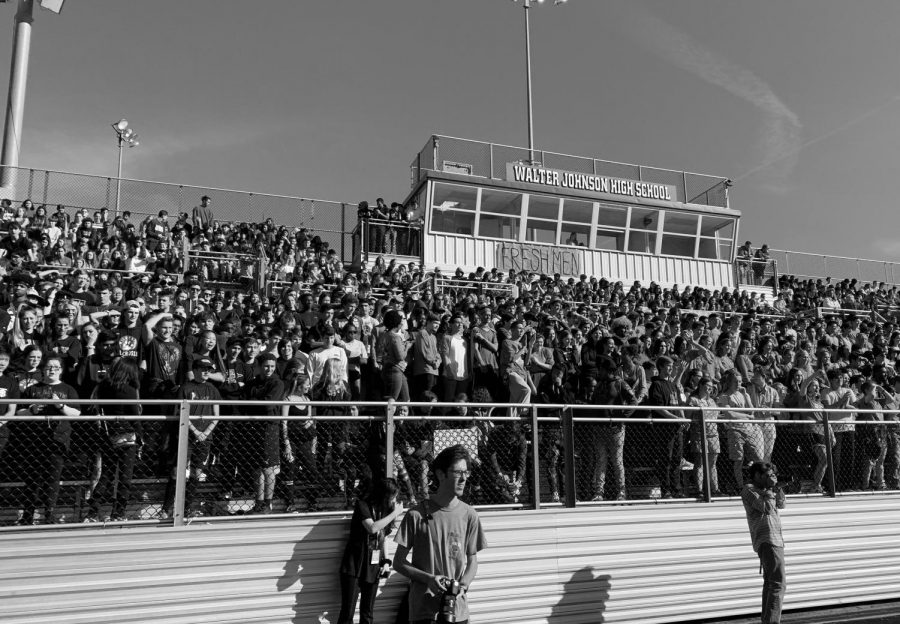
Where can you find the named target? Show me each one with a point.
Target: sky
(797, 102)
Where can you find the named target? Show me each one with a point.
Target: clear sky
(797, 101)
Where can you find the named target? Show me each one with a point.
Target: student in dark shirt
(123, 438)
(47, 441)
(9, 389)
(670, 449)
(204, 418)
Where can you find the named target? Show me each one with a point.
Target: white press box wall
(642, 563)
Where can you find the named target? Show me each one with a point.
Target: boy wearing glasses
(445, 536)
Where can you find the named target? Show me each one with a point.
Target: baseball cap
(203, 362)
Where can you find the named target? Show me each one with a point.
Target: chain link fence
(331, 221)
(809, 265)
(489, 160)
(173, 464)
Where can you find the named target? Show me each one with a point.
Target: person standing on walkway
(444, 535)
(762, 499)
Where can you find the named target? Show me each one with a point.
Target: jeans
(123, 457)
(772, 560)
(668, 458)
(395, 384)
(42, 480)
(609, 442)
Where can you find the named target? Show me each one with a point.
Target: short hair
(450, 456)
(760, 468)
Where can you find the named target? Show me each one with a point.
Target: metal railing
(489, 160)
(330, 220)
(811, 265)
(752, 272)
(179, 467)
(457, 287)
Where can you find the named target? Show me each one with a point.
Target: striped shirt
(762, 517)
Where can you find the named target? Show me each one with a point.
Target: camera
(448, 602)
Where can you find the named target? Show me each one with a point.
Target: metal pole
(706, 492)
(535, 460)
(527, 5)
(389, 439)
(568, 426)
(181, 465)
(829, 471)
(119, 174)
(15, 103)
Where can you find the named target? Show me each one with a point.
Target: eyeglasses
(460, 474)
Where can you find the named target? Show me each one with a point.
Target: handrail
(612, 162)
(177, 184)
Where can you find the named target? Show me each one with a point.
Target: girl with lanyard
(364, 560)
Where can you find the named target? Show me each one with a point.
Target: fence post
(568, 427)
(389, 439)
(343, 231)
(829, 470)
(706, 486)
(535, 459)
(181, 464)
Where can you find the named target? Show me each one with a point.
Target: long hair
(379, 497)
(123, 374)
(330, 382)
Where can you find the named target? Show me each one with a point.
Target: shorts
(742, 443)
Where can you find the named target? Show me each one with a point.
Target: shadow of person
(312, 571)
(583, 598)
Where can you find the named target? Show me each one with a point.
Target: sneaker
(717, 494)
(621, 496)
(162, 514)
(685, 465)
(598, 498)
(88, 519)
(117, 518)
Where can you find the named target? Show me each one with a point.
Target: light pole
(18, 79)
(126, 136)
(527, 4)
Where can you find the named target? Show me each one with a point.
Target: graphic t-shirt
(441, 538)
(60, 430)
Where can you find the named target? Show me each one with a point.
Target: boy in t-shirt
(202, 423)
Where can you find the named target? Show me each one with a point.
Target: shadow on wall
(312, 574)
(583, 599)
(313, 570)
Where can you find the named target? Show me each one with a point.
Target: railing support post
(706, 486)
(829, 457)
(568, 427)
(389, 439)
(535, 459)
(181, 463)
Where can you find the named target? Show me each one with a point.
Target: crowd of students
(381, 332)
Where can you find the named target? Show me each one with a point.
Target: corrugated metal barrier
(640, 563)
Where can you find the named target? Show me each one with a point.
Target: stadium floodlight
(57, 5)
(126, 136)
(527, 4)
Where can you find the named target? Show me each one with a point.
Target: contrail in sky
(781, 133)
(822, 137)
